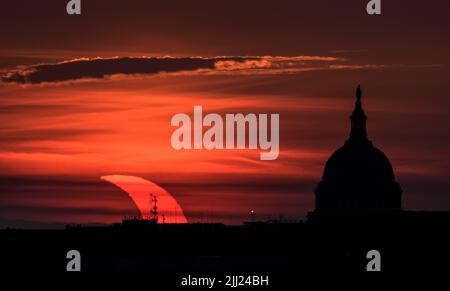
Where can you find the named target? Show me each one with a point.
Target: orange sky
(59, 138)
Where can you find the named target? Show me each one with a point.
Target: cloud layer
(99, 68)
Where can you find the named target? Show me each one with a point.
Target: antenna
(154, 209)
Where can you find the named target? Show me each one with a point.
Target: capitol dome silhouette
(358, 177)
(358, 162)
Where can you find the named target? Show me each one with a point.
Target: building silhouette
(358, 178)
(358, 209)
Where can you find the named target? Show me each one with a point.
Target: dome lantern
(358, 133)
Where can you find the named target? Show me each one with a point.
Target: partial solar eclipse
(139, 190)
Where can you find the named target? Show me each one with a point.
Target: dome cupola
(358, 176)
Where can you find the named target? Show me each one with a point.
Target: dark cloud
(99, 68)
(8, 62)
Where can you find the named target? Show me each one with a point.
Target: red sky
(60, 137)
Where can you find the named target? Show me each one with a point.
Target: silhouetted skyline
(71, 112)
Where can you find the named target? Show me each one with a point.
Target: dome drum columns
(378, 197)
